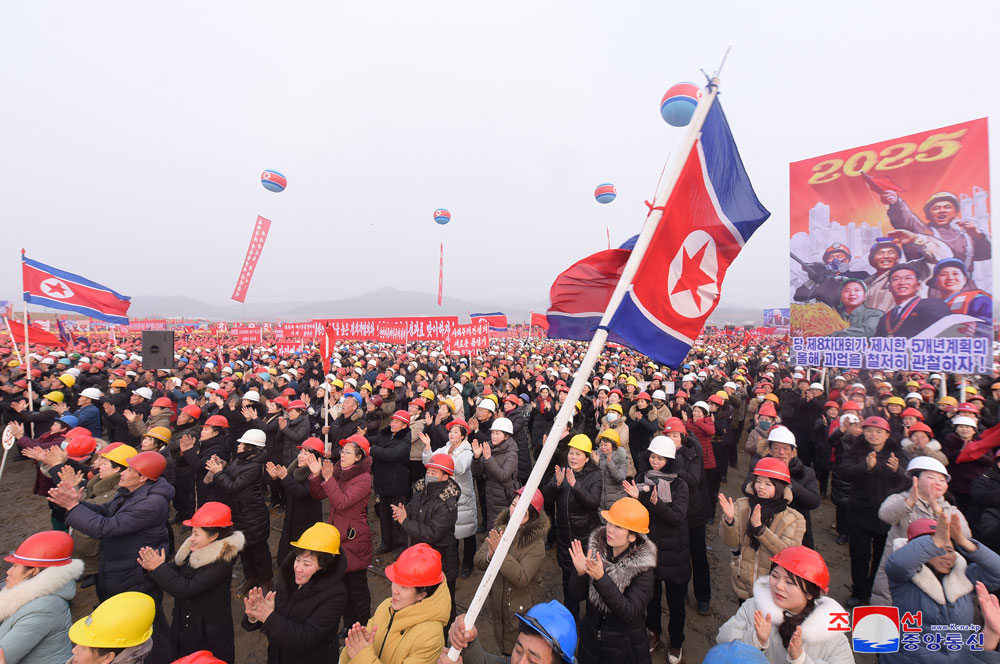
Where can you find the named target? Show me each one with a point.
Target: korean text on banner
(305, 330)
(464, 339)
(891, 254)
(247, 336)
(257, 239)
(288, 347)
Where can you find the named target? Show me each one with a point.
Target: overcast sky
(134, 133)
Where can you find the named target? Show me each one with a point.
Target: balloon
(677, 106)
(605, 193)
(273, 181)
(442, 216)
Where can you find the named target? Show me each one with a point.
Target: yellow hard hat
(611, 435)
(120, 454)
(971, 390)
(493, 398)
(582, 442)
(55, 396)
(632, 380)
(615, 407)
(118, 382)
(723, 394)
(898, 401)
(121, 621)
(159, 433)
(68, 380)
(366, 386)
(323, 537)
(771, 396)
(336, 382)
(948, 401)
(579, 405)
(13, 363)
(427, 394)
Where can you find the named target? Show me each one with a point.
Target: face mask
(765, 425)
(430, 480)
(612, 416)
(760, 397)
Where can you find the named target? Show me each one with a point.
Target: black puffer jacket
(870, 487)
(500, 475)
(540, 421)
(301, 509)
(668, 527)
(690, 467)
(522, 437)
(985, 517)
(840, 445)
(614, 628)
(241, 483)
(575, 509)
(196, 457)
(200, 583)
(303, 627)
(294, 433)
(430, 517)
(391, 463)
(268, 423)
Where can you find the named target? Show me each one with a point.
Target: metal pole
(27, 365)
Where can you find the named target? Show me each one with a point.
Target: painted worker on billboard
(910, 314)
(885, 255)
(826, 278)
(862, 320)
(950, 283)
(964, 238)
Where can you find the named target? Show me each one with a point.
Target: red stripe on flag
(40, 283)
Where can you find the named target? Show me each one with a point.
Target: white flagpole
(17, 351)
(663, 191)
(27, 364)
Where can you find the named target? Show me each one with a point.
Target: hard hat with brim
(321, 537)
(121, 621)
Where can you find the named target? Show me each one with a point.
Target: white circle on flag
(8, 437)
(56, 288)
(692, 282)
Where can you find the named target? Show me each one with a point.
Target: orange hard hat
(148, 464)
(217, 421)
(804, 563)
(628, 513)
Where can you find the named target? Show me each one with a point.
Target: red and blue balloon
(605, 193)
(442, 216)
(273, 181)
(677, 106)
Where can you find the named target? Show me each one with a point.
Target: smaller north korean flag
(47, 286)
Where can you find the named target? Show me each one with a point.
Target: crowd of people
(160, 482)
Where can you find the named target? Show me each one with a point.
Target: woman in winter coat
(519, 586)
(293, 429)
(614, 420)
(920, 442)
(54, 437)
(459, 449)
(840, 441)
(301, 509)
(268, 423)
(200, 579)
(576, 494)
(241, 481)
(409, 626)
(390, 454)
(935, 573)
(985, 514)
(347, 485)
(666, 497)
(963, 473)
(702, 426)
(760, 525)
(924, 500)
(644, 420)
(496, 463)
(301, 618)
(34, 603)
(619, 566)
(613, 462)
(789, 615)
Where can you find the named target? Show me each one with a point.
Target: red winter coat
(703, 430)
(348, 492)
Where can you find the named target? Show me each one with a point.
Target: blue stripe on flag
(642, 334)
(72, 278)
(86, 311)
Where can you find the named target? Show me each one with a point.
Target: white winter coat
(35, 616)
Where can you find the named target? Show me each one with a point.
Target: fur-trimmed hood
(59, 581)
(534, 529)
(933, 445)
(225, 549)
(947, 590)
(637, 558)
(814, 628)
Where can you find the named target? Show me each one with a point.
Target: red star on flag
(692, 276)
(56, 288)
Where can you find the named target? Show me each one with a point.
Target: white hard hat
(913, 395)
(502, 424)
(962, 419)
(92, 393)
(816, 386)
(253, 437)
(660, 394)
(144, 392)
(702, 405)
(74, 372)
(849, 418)
(926, 463)
(212, 386)
(252, 396)
(488, 405)
(731, 385)
(663, 446)
(781, 434)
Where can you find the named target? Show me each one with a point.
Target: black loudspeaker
(157, 349)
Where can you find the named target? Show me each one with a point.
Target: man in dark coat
(196, 453)
(911, 314)
(390, 477)
(515, 412)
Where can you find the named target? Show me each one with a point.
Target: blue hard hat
(264, 376)
(556, 625)
(355, 396)
(70, 421)
(65, 362)
(734, 652)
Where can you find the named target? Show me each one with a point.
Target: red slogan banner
(247, 335)
(257, 239)
(467, 338)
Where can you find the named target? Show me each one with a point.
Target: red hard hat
(148, 464)
(831, 404)
(674, 424)
(716, 399)
(920, 426)
(288, 392)
(80, 447)
(75, 432)
(389, 385)
(361, 442)
(211, 515)
(419, 403)
(199, 657)
(851, 405)
(804, 563)
(193, 382)
(416, 567)
(49, 548)
(217, 421)
(966, 408)
(298, 404)
(281, 401)
(314, 444)
(442, 461)
(163, 402)
(537, 500)
(193, 412)
(402, 416)
(643, 395)
(773, 468)
(458, 423)
(876, 421)
(921, 527)
(767, 410)
(912, 412)
(222, 394)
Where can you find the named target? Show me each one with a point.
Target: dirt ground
(26, 513)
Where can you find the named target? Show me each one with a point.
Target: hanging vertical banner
(441, 275)
(892, 254)
(250, 261)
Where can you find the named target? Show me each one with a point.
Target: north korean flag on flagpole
(47, 286)
(704, 212)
